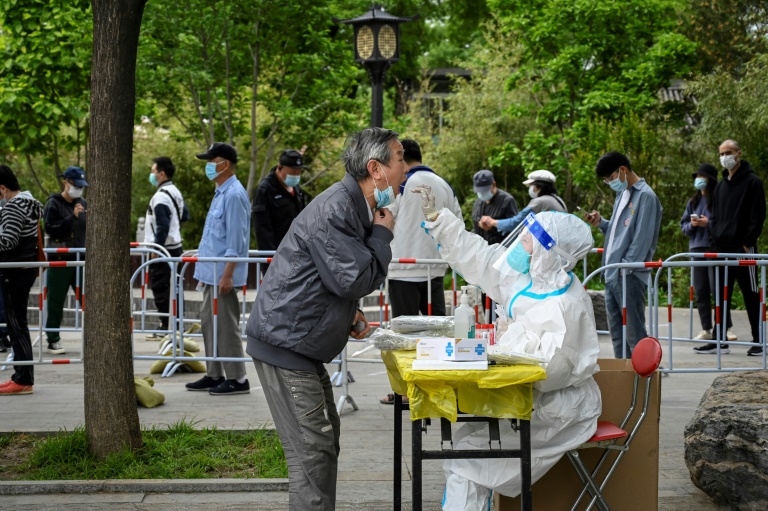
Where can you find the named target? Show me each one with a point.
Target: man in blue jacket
(335, 252)
(631, 236)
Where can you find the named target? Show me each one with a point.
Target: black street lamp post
(377, 46)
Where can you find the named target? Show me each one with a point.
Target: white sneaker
(731, 337)
(55, 348)
(704, 335)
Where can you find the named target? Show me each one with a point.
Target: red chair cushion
(607, 431)
(646, 356)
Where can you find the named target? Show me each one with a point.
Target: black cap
(76, 175)
(707, 170)
(292, 158)
(219, 149)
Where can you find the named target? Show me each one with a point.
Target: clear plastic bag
(387, 340)
(506, 355)
(436, 326)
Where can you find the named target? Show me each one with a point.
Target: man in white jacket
(408, 283)
(547, 313)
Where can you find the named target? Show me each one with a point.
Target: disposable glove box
(448, 348)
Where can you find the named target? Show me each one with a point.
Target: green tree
(582, 60)
(255, 74)
(45, 59)
(729, 33)
(111, 418)
(734, 107)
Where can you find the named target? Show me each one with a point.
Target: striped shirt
(19, 222)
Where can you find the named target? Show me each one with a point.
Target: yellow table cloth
(503, 392)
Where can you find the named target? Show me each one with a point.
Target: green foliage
(734, 108)
(248, 73)
(582, 62)
(729, 33)
(45, 79)
(179, 452)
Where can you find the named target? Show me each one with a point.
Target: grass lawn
(179, 452)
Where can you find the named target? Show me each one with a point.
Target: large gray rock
(726, 441)
(598, 305)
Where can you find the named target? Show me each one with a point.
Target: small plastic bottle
(464, 318)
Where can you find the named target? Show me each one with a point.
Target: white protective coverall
(552, 317)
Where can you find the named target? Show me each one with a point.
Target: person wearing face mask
(543, 311)
(65, 220)
(543, 194)
(695, 225)
(492, 202)
(278, 200)
(226, 234)
(165, 213)
(736, 222)
(335, 252)
(631, 236)
(19, 235)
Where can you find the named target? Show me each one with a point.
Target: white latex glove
(427, 202)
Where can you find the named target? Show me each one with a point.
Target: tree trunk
(111, 418)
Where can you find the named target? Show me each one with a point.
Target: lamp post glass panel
(377, 46)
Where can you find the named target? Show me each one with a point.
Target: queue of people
(338, 248)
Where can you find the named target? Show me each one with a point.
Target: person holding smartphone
(695, 225)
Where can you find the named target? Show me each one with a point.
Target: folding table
(501, 392)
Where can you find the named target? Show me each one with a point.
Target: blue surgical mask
(617, 185)
(700, 183)
(486, 196)
(292, 180)
(519, 259)
(384, 198)
(152, 179)
(210, 170)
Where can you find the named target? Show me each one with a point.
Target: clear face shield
(517, 257)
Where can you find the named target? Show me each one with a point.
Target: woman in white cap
(541, 189)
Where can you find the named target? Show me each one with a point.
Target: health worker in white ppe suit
(548, 314)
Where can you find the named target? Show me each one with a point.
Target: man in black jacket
(737, 216)
(278, 200)
(64, 216)
(492, 202)
(336, 252)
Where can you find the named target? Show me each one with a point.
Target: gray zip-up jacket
(331, 257)
(638, 231)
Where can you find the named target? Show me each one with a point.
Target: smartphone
(694, 216)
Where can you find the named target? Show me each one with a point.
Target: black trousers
(410, 298)
(160, 283)
(704, 288)
(16, 283)
(746, 276)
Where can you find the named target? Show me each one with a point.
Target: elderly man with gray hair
(335, 252)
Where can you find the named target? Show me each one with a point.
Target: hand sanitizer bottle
(464, 318)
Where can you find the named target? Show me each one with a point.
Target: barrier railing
(653, 305)
(178, 317)
(41, 311)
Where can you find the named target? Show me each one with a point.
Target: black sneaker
(755, 351)
(711, 349)
(230, 387)
(204, 383)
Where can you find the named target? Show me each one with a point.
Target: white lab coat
(555, 317)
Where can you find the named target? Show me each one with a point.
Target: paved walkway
(365, 468)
